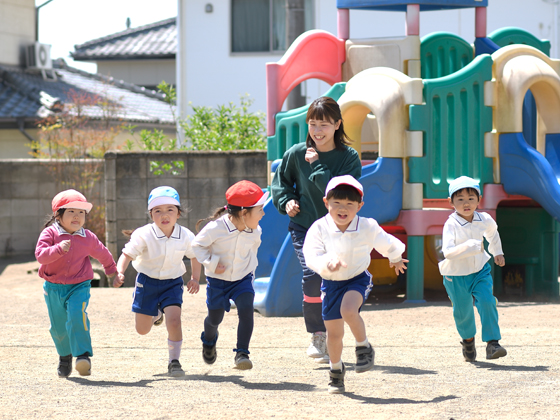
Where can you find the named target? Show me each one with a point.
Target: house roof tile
(156, 40)
(20, 95)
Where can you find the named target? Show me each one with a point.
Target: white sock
(364, 343)
(336, 366)
(174, 349)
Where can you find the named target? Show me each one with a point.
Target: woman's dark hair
(51, 218)
(128, 232)
(345, 192)
(469, 191)
(325, 108)
(235, 212)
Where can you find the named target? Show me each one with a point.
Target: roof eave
(79, 57)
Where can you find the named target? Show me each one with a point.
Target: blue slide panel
(383, 189)
(274, 227)
(525, 171)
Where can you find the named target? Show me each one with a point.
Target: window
(260, 25)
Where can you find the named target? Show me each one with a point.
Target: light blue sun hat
(463, 182)
(163, 195)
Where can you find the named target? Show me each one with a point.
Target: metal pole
(295, 26)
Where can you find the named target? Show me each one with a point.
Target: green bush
(227, 127)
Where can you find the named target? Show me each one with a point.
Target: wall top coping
(113, 154)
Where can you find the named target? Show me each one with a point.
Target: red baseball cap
(70, 199)
(246, 194)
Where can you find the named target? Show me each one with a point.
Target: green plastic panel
(453, 120)
(443, 53)
(291, 127)
(530, 243)
(511, 35)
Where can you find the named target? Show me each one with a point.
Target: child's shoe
(364, 358)
(64, 366)
(158, 320)
(336, 385)
(318, 347)
(83, 365)
(469, 350)
(494, 350)
(174, 369)
(209, 353)
(242, 361)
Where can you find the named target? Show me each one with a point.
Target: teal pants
(461, 290)
(67, 305)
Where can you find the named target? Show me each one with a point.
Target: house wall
(139, 72)
(17, 29)
(14, 145)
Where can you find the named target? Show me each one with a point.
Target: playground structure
(437, 108)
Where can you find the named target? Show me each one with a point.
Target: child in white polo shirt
(338, 248)
(156, 251)
(227, 247)
(466, 271)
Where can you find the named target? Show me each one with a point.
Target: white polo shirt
(158, 256)
(462, 244)
(324, 242)
(220, 241)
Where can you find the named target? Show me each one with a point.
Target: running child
(63, 250)
(297, 190)
(466, 271)
(227, 247)
(156, 251)
(338, 248)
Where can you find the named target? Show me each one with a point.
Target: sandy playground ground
(419, 373)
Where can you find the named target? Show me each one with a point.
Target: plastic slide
(525, 171)
(278, 277)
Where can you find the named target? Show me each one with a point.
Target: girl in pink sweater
(63, 250)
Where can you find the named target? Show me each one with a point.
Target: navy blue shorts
(219, 292)
(332, 292)
(149, 294)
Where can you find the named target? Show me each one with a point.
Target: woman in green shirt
(298, 188)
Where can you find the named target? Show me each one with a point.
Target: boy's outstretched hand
(335, 264)
(399, 266)
(500, 260)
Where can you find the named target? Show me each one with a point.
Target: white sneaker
(318, 346)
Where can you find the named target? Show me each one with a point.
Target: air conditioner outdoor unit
(39, 56)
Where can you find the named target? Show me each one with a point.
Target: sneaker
(158, 319)
(365, 356)
(318, 346)
(494, 350)
(336, 384)
(209, 353)
(83, 365)
(242, 361)
(174, 369)
(322, 360)
(64, 366)
(469, 350)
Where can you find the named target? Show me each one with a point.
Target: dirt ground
(419, 373)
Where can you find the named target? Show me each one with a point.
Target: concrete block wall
(201, 185)
(27, 187)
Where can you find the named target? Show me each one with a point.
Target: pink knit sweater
(73, 266)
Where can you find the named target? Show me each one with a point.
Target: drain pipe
(21, 128)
